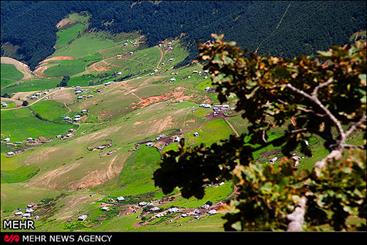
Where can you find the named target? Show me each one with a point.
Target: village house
(26, 215)
(120, 199)
(173, 210)
(205, 105)
(69, 135)
(176, 139)
(10, 154)
(154, 209)
(142, 204)
(159, 215)
(196, 134)
(150, 144)
(212, 212)
(105, 209)
(6, 139)
(4, 104)
(273, 160)
(82, 217)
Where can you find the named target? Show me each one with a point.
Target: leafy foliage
(64, 81)
(323, 96)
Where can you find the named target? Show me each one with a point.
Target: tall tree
(323, 97)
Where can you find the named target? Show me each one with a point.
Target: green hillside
(9, 75)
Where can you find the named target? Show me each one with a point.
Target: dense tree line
(305, 27)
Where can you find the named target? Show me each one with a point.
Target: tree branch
(297, 217)
(317, 102)
(355, 126)
(321, 85)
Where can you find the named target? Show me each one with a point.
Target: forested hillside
(283, 28)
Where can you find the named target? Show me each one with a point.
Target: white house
(206, 206)
(149, 144)
(120, 199)
(273, 160)
(211, 212)
(205, 105)
(142, 203)
(19, 213)
(196, 134)
(26, 215)
(159, 215)
(105, 208)
(83, 217)
(176, 139)
(173, 210)
(10, 154)
(29, 210)
(7, 139)
(154, 209)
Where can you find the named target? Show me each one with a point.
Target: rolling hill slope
(102, 136)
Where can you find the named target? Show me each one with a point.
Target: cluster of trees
(64, 81)
(323, 97)
(305, 26)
